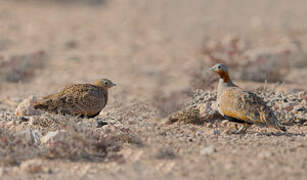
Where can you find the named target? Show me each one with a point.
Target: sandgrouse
(240, 106)
(83, 100)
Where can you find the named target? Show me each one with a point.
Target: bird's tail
(274, 122)
(283, 128)
(40, 105)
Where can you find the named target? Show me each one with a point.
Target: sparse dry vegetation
(185, 116)
(71, 139)
(22, 67)
(167, 104)
(203, 78)
(15, 148)
(251, 62)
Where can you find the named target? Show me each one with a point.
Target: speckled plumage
(84, 100)
(241, 106)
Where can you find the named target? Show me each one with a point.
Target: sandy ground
(148, 47)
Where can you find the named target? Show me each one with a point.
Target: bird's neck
(106, 96)
(224, 82)
(220, 87)
(97, 84)
(224, 75)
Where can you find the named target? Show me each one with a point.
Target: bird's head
(104, 83)
(222, 70)
(219, 68)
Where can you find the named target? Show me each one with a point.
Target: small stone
(209, 125)
(48, 136)
(216, 132)
(23, 119)
(72, 44)
(25, 108)
(265, 154)
(101, 123)
(225, 123)
(301, 94)
(35, 136)
(18, 128)
(32, 166)
(207, 150)
(30, 135)
(214, 105)
(165, 154)
(31, 120)
(199, 133)
(10, 123)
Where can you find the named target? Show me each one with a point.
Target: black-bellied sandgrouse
(84, 100)
(240, 106)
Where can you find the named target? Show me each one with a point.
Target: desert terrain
(158, 53)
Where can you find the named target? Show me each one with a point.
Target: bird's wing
(88, 98)
(82, 99)
(45, 103)
(237, 103)
(64, 101)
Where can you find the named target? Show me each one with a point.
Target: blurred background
(158, 49)
(142, 44)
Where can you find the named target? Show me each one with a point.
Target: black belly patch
(236, 120)
(92, 116)
(87, 116)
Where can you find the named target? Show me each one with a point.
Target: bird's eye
(219, 67)
(106, 83)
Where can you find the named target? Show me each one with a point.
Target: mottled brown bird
(240, 106)
(83, 100)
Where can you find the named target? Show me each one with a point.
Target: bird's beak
(113, 84)
(211, 69)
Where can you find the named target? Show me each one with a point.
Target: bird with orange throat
(241, 106)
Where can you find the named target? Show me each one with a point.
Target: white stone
(32, 166)
(35, 136)
(31, 135)
(207, 150)
(25, 108)
(48, 136)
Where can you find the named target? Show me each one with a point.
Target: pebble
(23, 119)
(32, 166)
(207, 150)
(35, 136)
(265, 154)
(25, 108)
(32, 136)
(101, 123)
(48, 136)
